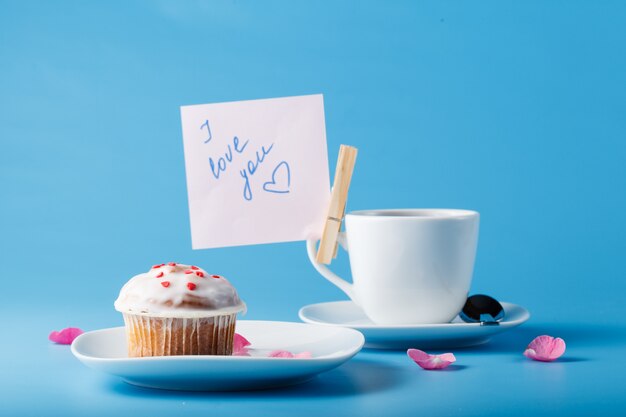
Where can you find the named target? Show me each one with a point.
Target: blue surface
(514, 109)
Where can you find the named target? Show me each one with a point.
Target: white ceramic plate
(424, 336)
(105, 350)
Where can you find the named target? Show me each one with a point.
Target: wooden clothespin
(343, 174)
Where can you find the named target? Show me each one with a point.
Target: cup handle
(341, 283)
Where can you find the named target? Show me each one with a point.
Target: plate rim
(504, 324)
(335, 356)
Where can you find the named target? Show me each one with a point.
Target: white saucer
(105, 350)
(424, 336)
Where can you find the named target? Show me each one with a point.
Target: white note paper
(257, 170)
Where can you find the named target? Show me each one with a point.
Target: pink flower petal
(545, 348)
(287, 354)
(65, 336)
(427, 361)
(240, 345)
(280, 354)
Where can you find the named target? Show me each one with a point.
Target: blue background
(514, 109)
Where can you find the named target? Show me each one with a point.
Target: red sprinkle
(165, 283)
(157, 266)
(194, 267)
(189, 271)
(216, 276)
(191, 286)
(200, 274)
(160, 274)
(172, 263)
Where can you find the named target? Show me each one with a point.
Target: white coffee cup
(409, 266)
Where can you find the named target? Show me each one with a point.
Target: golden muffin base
(168, 336)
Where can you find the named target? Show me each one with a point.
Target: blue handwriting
(222, 162)
(281, 179)
(252, 167)
(206, 123)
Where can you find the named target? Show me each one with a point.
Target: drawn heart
(281, 179)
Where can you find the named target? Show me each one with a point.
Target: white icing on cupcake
(178, 290)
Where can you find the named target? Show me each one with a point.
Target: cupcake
(176, 309)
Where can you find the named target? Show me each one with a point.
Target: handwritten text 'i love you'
(237, 155)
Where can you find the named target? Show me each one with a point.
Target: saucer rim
(525, 315)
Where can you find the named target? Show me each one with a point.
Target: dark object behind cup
(482, 309)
